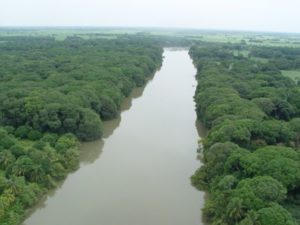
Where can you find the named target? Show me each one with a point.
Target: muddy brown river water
(139, 173)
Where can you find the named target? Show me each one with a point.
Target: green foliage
(251, 154)
(275, 214)
(256, 193)
(265, 104)
(70, 86)
(281, 163)
(51, 138)
(34, 135)
(30, 169)
(90, 127)
(22, 131)
(215, 158)
(53, 93)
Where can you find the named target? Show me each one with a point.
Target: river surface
(139, 173)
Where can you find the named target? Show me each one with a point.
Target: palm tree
(6, 199)
(37, 173)
(22, 166)
(6, 159)
(252, 218)
(2, 208)
(15, 184)
(236, 209)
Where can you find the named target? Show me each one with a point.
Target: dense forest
(251, 155)
(54, 94)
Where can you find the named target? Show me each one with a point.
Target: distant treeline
(251, 155)
(54, 93)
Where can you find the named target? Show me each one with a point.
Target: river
(139, 173)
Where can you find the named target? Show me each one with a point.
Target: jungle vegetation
(251, 155)
(54, 94)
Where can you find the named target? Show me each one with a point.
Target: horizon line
(146, 27)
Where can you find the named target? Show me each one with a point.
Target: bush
(34, 135)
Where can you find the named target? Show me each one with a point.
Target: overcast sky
(255, 15)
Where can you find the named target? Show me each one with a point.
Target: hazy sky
(259, 15)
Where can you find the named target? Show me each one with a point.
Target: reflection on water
(90, 151)
(139, 174)
(202, 131)
(111, 125)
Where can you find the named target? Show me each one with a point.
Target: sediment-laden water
(139, 174)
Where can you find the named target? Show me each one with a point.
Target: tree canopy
(251, 153)
(53, 94)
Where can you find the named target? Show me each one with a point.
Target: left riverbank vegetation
(54, 94)
(251, 155)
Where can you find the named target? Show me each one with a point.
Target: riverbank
(251, 154)
(140, 173)
(60, 92)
